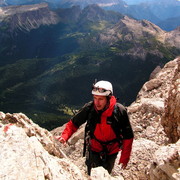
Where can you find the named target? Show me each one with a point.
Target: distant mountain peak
(27, 17)
(136, 29)
(11, 10)
(92, 11)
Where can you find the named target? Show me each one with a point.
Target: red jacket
(103, 132)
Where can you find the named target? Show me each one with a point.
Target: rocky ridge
(28, 151)
(155, 117)
(128, 30)
(27, 17)
(150, 103)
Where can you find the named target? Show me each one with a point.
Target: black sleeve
(82, 115)
(127, 131)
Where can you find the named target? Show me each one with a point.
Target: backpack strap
(117, 122)
(122, 124)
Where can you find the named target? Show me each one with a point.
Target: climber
(107, 130)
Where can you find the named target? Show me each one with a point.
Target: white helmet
(102, 88)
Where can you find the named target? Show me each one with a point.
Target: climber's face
(100, 102)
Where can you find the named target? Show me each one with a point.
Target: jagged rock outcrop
(146, 112)
(31, 129)
(154, 114)
(166, 163)
(28, 151)
(171, 117)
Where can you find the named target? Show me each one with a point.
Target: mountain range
(164, 13)
(49, 59)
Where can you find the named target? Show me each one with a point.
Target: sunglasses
(100, 90)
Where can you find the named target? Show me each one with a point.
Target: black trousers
(101, 159)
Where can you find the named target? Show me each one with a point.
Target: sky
(136, 1)
(141, 1)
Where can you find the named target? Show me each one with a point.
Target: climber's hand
(60, 139)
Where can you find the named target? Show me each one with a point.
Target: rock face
(171, 117)
(146, 112)
(166, 162)
(155, 116)
(167, 159)
(29, 152)
(28, 17)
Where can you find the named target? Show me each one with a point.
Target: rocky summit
(30, 152)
